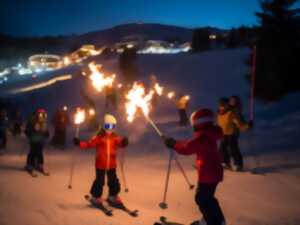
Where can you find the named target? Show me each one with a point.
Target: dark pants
(35, 156)
(230, 149)
(208, 204)
(183, 118)
(16, 129)
(59, 137)
(112, 181)
(3, 139)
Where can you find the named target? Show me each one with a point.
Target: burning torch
(79, 118)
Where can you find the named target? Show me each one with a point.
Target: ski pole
(163, 204)
(191, 186)
(253, 78)
(70, 185)
(154, 125)
(122, 162)
(251, 106)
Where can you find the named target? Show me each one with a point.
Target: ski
(163, 221)
(106, 211)
(44, 173)
(133, 213)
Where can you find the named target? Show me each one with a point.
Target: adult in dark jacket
(3, 128)
(37, 134)
(208, 163)
(60, 122)
(17, 122)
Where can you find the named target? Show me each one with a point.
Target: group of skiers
(210, 159)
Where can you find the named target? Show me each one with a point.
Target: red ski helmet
(201, 118)
(41, 113)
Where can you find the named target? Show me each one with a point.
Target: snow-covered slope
(272, 148)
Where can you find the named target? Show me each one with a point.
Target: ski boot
(96, 201)
(29, 169)
(115, 201)
(226, 166)
(41, 169)
(238, 168)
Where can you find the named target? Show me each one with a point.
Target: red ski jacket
(106, 149)
(209, 159)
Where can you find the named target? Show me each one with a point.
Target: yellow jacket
(231, 123)
(182, 103)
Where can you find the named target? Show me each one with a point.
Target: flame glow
(158, 89)
(79, 116)
(92, 112)
(187, 97)
(98, 79)
(137, 98)
(171, 94)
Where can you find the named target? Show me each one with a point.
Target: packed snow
(270, 196)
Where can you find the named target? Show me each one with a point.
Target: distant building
(83, 52)
(42, 62)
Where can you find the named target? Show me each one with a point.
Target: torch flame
(79, 116)
(171, 94)
(137, 98)
(187, 97)
(158, 89)
(98, 79)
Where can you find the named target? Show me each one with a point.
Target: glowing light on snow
(212, 37)
(79, 116)
(43, 84)
(171, 94)
(158, 89)
(99, 81)
(130, 45)
(137, 98)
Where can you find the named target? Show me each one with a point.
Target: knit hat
(201, 118)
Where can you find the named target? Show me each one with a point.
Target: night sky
(54, 17)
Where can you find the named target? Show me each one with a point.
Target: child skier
(37, 133)
(231, 123)
(208, 163)
(106, 143)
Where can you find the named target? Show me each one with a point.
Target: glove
(125, 142)
(76, 141)
(251, 124)
(169, 142)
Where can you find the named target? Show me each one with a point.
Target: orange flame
(79, 116)
(98, 79)
(158, 89)
(137, 98)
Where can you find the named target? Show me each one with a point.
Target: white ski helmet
(110, 122)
